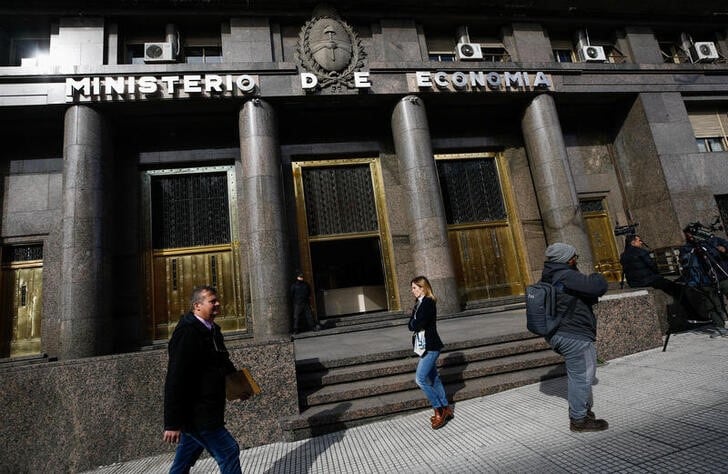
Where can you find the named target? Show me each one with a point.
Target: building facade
(153, 146)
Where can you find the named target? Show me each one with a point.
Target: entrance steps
(345, 392)
(380, 319)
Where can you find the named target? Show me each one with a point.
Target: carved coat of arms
(329, 48)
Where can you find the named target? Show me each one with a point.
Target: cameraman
(701, 270)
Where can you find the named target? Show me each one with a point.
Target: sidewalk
(667, 412)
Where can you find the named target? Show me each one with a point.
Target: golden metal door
(486, 261)
(601, 239)
(178, 271)
(483, 240)
(22, 288)
(344, 241)
(190, 223)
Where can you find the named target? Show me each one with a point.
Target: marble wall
(75, 415)
(628, 322)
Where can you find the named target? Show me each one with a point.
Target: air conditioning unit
(591, 53)
(704, 51)
(469, 51)
(158, 52)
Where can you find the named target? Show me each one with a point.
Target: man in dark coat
(194, 391)
(640, 269)
(574, 339)
(301, 298)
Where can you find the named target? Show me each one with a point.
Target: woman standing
(424, 316)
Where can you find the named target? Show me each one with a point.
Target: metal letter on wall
(190, 223)
(22, 296)
(483, 239)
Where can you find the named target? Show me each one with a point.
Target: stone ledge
(628, 321)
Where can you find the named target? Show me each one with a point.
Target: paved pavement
(667, 413)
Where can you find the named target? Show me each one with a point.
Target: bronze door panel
(177, 272)
(604, 250)
(486, 262)
(22, 290)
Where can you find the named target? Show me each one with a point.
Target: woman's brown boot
(439, 420)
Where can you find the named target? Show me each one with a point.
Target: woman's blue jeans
(581, 368)
(429, 381)
(219, 443)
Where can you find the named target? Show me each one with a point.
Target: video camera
(702, 233)
(629, 229)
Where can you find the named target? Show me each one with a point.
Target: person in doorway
(301, 298)
(574, 339)
(194, 390)
(424, 317)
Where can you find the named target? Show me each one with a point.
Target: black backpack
(542, 317)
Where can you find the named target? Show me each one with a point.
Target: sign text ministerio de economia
(169, 86)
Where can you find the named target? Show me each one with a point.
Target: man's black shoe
(588, 424)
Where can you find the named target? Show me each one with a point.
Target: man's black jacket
(194, 392)
(579, 323)
(638, 267)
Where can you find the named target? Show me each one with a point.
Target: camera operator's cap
(559, 252)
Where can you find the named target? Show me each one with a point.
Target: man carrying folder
(194, 391)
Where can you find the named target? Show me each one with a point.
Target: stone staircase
(345, 392)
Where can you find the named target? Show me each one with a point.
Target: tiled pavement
(667, 411)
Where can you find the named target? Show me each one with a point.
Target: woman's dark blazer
(425, 317)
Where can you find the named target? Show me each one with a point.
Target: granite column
(428, 232)
(265, 234)
(552, 178)
(85, 316)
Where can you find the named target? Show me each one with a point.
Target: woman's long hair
(424, 283)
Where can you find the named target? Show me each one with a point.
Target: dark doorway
(348, 276)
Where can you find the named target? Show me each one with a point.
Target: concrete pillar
(555, 190)
(642, 45)
(428, 234)
(265, 237)
(85, 327)
(655, 153)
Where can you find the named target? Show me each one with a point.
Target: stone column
(265, 237)
(554, 184)
(428, 234)
(85, 327)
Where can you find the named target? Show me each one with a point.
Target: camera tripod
(701, 263)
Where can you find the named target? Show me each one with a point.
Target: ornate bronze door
(191, 245)
(344, 242)
(22, 289)
(601, 238)
(483, 240)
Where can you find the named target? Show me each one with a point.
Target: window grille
(190, 210)
(591, 205)
(22, 253)
(339, 200)
(471, 190)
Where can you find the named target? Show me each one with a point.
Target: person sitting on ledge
(640, 271)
